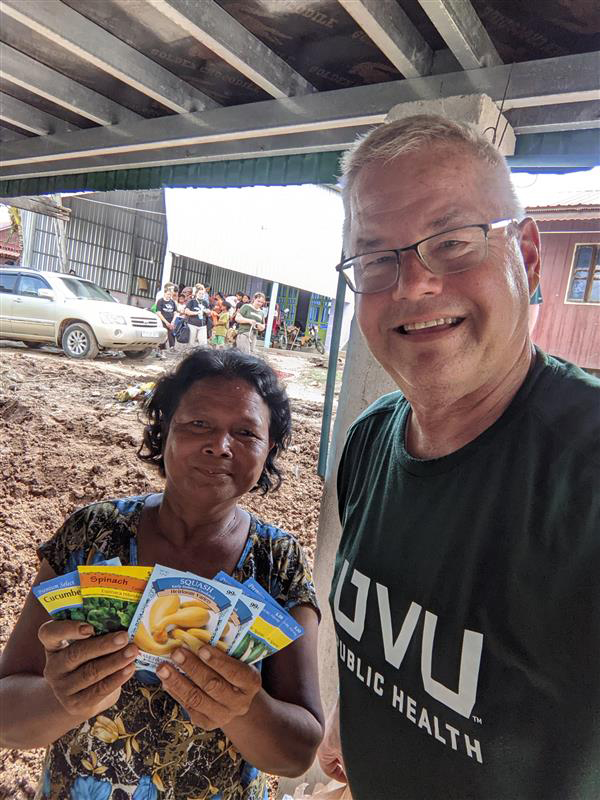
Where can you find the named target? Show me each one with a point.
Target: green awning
(563, 151)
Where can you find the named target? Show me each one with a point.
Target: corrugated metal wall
(110, 240)
(189, 271)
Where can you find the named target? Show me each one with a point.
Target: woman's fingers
(99, 696)
(56, 634)
(63, 661)
(95, 671)
(203, 709)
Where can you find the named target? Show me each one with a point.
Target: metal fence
(116, 239)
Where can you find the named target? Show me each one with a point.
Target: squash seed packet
(61, 595)
(270, 632)
(247, 608)
(179, 609)
(110, 595)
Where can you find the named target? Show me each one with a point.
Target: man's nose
(218, 444)
(415, 279)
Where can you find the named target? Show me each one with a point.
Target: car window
(8, 281)
(30, 285)
(86, 290)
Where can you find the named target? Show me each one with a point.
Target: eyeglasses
(456, 250)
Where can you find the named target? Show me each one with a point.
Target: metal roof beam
(65, 28)
(282, 144)
(56, 87)
(544, 82)
(213, 27)
(564, 117)
(31, 119)
(459, 26)
(387, 25)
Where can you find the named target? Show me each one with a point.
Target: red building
(569, 319)
(10, 244)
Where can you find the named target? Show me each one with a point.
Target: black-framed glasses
(456, 250)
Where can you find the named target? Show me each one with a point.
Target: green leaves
(107, 614)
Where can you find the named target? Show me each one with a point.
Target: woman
(195, 312)
(207, 730)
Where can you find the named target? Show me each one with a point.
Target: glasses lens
(372, 272)
(454, 251)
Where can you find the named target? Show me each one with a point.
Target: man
(466, 590)
(250, 320)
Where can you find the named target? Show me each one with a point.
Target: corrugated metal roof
(584, 198)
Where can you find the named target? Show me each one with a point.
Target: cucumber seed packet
(61, 596)
(110, 595)
(179, 609)
(247, 608)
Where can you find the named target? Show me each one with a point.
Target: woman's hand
(215, 687)
(85, 672)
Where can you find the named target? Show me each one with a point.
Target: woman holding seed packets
(189, 670)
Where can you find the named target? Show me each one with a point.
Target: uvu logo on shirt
(460, 701)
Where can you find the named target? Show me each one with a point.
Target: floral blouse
(145, 747)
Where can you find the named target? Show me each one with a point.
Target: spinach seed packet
(110, 595)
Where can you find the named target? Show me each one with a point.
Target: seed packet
(111, 594)
(61, 596)
(270, 632)
(246, 610)
(179, 609)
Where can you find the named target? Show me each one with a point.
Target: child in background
(220, 323)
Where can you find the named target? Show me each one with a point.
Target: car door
(33, 316)
(8, 282)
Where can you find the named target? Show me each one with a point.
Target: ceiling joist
(39, 79)
(462, 30)
(67, 29)
(564, 117)
(387, 25)
(30, 119)
(213, 27)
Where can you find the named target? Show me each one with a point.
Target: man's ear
(530, 244)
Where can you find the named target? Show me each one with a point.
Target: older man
(466, 591)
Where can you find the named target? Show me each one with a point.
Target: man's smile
(428, 326)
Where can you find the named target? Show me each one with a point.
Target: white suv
(55, 308)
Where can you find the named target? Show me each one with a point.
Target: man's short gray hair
(411, 134)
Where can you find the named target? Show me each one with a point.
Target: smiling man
(466, 591)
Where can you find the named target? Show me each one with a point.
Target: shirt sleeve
(292, 581)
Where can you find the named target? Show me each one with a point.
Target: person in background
(251, 321)
(166, 309)
(466, 588)
(234, 299)
(195, 312)
(220, 324)
(161, 292)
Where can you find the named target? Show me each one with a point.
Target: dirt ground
(65, 441)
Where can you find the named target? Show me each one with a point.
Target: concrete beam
(30, 119)
(65, 28)
(388, 26)
(534, 83)
(213, 27)
(39, 79)
(459, 26)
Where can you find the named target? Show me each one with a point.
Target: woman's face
(218, 442)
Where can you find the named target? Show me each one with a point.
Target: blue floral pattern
(145, 747)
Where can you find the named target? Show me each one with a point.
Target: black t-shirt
(196, 305)
(466, 598)
(167, 308)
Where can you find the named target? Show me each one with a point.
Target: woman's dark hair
(204, 363)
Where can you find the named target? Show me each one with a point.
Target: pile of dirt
(66, 441)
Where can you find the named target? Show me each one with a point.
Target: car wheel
(136, 354)
(33, 345)
(78, 341)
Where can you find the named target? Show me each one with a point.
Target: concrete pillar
(363, 382)
(271, 314)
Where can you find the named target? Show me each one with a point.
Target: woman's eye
(248, 433)
(198, 423)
